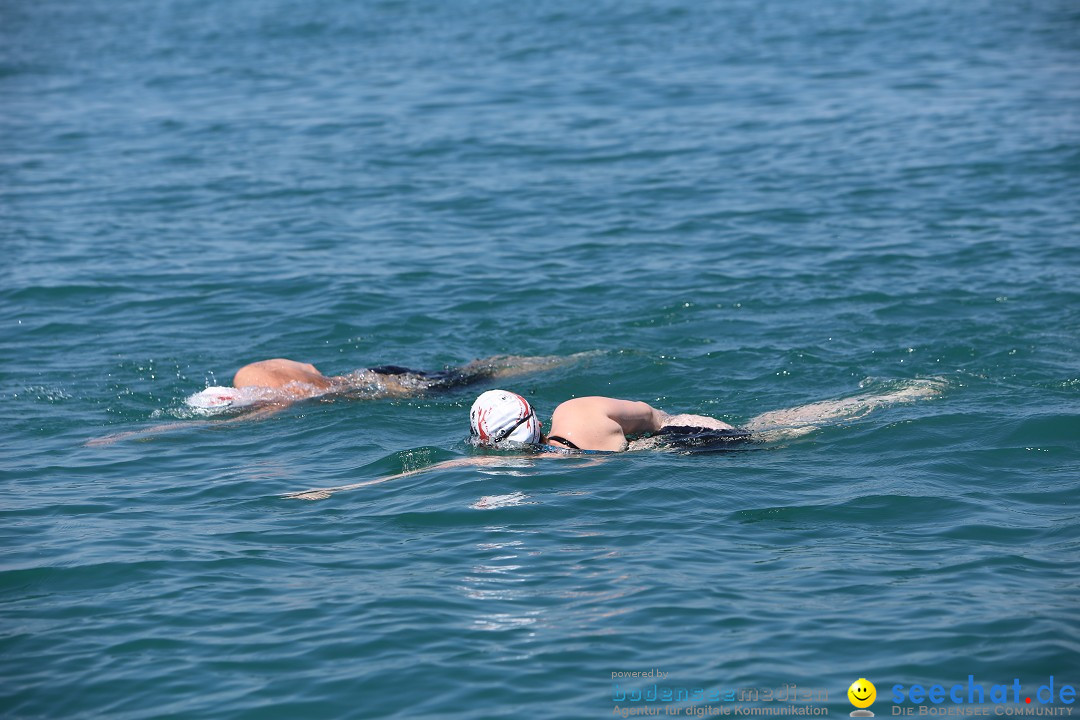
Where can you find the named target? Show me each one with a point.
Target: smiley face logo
(862, 693)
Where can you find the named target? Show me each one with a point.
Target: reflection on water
(513, 584)
(500, 579)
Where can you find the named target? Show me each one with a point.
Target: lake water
(734, 207)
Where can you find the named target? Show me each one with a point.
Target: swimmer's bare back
(281, 373)
(289, 381)
(299, 380)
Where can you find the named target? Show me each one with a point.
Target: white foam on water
(492, 502)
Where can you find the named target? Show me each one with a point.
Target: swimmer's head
(499, 415)
(214, 398)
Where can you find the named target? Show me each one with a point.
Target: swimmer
(598, 424)
(609, 425)
(594, 428)
(280, 381)
(266, 387)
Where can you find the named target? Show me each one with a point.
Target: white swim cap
(214, 398)
(499, 415)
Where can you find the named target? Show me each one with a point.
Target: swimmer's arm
(257, 413)
(323, 493)
(637, 417)
(145, 432)
(602, 423)
(479, 461)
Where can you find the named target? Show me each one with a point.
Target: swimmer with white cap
(585, 423)
(503, 419)
(263, 388)
(280, 381)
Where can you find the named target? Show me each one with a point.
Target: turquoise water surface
(733, 207)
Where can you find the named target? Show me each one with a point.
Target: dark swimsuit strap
(564, 441)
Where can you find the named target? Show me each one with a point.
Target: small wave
(492, 502)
